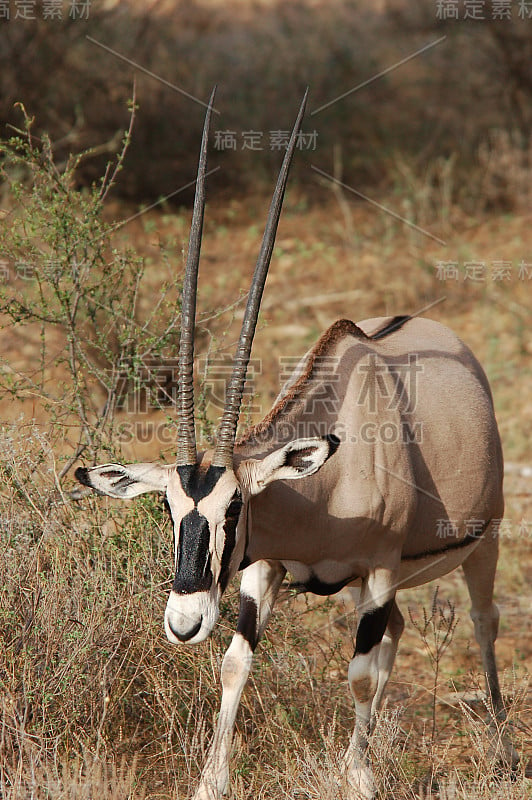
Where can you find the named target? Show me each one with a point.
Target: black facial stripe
(235, 506)
(232, 516)
(246, 561)
(248, 620)
(197, 484)
(371, 628)
(193, 572)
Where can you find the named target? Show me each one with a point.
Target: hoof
(504, 756)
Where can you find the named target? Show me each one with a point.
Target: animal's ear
(124, 482)
(298, 459)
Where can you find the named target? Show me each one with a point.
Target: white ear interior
(124, 482)
(297, 459)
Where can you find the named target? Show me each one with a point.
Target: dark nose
(184, 637)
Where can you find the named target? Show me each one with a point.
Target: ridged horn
(186, 433)
(223, 454)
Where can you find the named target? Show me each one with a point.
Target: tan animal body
(379, 467)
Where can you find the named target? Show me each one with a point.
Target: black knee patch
(248, 621)
(371, 628)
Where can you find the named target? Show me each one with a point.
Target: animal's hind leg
(479, 569)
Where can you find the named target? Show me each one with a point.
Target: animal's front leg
(258, 590)
(376, 603)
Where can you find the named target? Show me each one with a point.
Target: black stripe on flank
(468, 539)
(245, 563)
(391, 326)
(193, 573)
(314, 585)
(248, 620)
(371, 628)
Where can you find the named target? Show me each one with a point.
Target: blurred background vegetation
(452, 101)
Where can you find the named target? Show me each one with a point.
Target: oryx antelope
(315, 491)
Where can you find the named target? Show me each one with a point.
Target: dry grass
(95, 702)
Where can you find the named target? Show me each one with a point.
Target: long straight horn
(186, 434)
(223, 455)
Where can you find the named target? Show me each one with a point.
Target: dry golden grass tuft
(95, 702)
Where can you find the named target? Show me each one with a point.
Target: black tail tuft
(391, 326)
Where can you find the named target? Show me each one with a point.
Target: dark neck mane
(337, 331)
